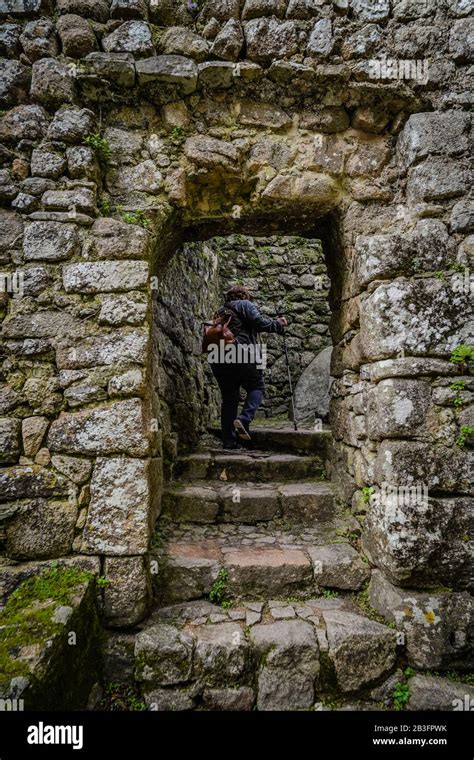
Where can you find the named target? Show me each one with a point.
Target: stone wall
(131, 126)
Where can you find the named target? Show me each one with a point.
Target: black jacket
(248, 321)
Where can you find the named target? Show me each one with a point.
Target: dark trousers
(230, 378)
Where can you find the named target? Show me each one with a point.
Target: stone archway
(175, 151)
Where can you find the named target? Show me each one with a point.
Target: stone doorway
(286, 274)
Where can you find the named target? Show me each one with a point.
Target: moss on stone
(34, 645)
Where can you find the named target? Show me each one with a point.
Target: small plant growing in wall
(463, 356)
(100, 146)
(367, 492)
(138, 217)
(218, 591)
(466, 432)
(401, 695)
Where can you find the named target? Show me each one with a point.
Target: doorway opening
(286, 274)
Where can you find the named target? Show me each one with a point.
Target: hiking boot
(242, 431)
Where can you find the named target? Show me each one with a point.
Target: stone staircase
(257, 570)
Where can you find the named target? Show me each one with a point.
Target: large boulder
(312, 388)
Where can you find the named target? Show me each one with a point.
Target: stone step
(288, 440)
(272, 655)
(306, 503)
(254, 563)
(255, 466)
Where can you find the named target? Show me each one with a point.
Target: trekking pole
(289, 380)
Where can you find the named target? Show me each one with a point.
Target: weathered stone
(130, 383)
(118, 521)
(362, 42)
(461, 45)
(397, 408)
(254, 505)
(52, 83)
(23, 123)
(308, 189)
(263, 115)
(75, 468)
(76, 35)
(105, 276)
(435, 693)
(427, 249)
(104, 349)
(370, 119)
(221, 653)
(222, 10)
(50, 241)
(171, 700)
(131, 37)
(211, 153)
(163, 656)
(127, 595)
(71, 125)
(127, 9)
(371, 10)
(10, 40)
(351, 638)
(257, 8)
(81, 163)
(9, 440)
(8, 189)
(229, 42)
(419, 541)
(114, 239)
(33, 430)
(98, 10)
(14, 83)
(321, 41)
(462, 216)
(240, 698)
(118, 428)
(171, 13)
(269, 38)
(190, 571)
(47, 163)
(307, 503)
(79, 199)
(168, 69)
(267, 570)
(436, 624)
(181, 41)
(39, 40)
(216, 74)
(407, 463)
(312, 388)
(41, 529)
(33, 482)
(290, 664)
(115, 67)
(143, 177)
(422, 316)
(437, 179)
(427, 134)
(192, 504)
(338, 566)
(129, 309)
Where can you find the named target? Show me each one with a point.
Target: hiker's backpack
(217, 330)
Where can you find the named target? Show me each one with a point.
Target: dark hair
(237, 293)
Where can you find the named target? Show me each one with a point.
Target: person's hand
(283, 321)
